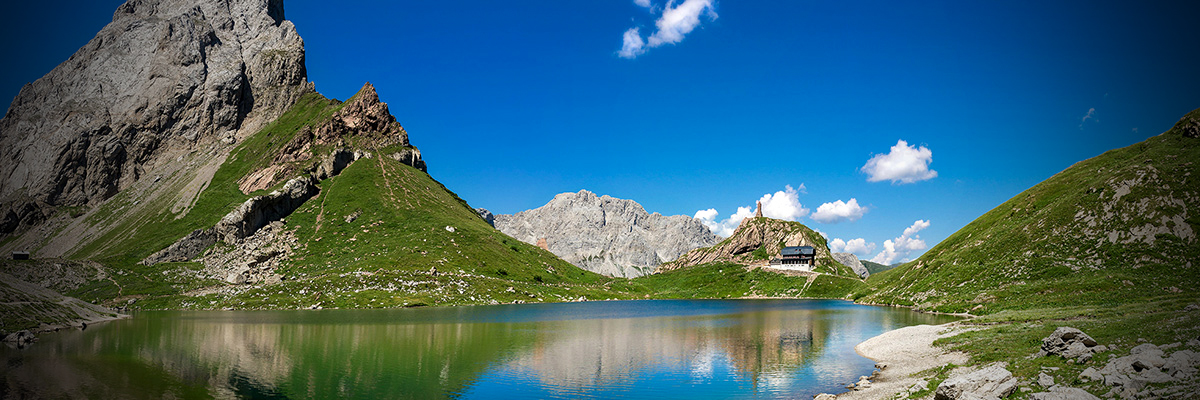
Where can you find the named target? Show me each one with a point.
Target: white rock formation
(610, 236)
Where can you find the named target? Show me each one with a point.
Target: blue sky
(514, 102)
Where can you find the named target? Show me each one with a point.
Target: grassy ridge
(412, 243)
(1115, 229)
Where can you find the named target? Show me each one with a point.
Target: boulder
(1070, 343)
(989, 383)
(1091, 374)
(824, 396)
(1045, 380)
(20, 337)
(1063, 393)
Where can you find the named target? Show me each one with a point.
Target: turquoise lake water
(649, 349)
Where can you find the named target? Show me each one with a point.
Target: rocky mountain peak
(165, 78)
(743, 246)
(607, 235)
(364, 116)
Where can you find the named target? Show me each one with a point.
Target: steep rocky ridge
(610, 236)
(165, 79)
(1117, 227)
(757, 240)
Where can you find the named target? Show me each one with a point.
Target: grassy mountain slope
(413, 243)
(399, 251)
(874, 267)
(1115, 229)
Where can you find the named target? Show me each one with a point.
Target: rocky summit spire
(364, 116)
(165, 77)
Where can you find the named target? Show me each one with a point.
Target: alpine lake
(656, 349)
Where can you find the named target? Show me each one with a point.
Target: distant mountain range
(606, 235)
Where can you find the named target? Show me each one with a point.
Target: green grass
(874, 267)
(1049, 246)
(384, 257)
(1014, 335)
(724, 280)
(135, 236)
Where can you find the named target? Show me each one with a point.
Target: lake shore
(903, 353)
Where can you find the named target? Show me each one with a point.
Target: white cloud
(723, 228)
(784, 204)
(1091, 114)
(633, 44)
(675, 22)
(857, 246)
(838, 211)
(903, 164)
(899, 248)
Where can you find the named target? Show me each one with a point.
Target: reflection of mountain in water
(603, 352)
(439, 353)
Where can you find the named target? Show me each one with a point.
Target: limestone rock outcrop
(610, 236)
(993, 382)
(769, 234)
(487, 216)
(261, 210)
(1072, 344)
(184, 249)
(163, 77)
(852, 261)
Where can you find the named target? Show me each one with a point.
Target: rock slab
(989, 383)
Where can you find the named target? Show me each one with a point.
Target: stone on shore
(1063, 393)
(990, 383)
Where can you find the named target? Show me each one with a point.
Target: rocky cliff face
(610, 236)
(852, 261)
(163, 78)
(743, 246)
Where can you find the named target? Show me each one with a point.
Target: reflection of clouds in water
(702, 366)
(738, 346)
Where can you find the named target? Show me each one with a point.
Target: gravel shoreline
(904, 353)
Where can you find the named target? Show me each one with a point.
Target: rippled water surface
(659, 349)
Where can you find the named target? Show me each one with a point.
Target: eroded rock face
(163, 75)
(261, 210)
(851, 260)
(366, 119)
(610, 236)
(487, 216)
